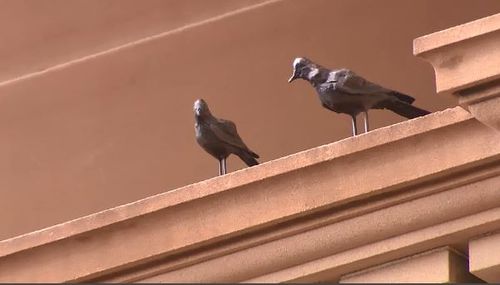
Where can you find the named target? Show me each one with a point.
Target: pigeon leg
(220, 167)
(354, 127)
(224, 167)
(367, 127)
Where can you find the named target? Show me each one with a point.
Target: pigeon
(219, 137)
(343, 91)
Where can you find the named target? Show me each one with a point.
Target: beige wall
(37, 35)
(119, 127)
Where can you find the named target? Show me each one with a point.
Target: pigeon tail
(248, 158)
(405, 109)
(403, 97)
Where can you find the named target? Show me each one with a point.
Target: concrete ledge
(456, 34)
(319, 188)
(388, 245)
(441, 265)
(463, 56)
(466, 60)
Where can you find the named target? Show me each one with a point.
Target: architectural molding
(466, 61)
(440, 265)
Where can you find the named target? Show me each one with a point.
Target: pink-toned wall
(118, 127)
(37, 35)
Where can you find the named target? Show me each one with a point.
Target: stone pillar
(466, 60)
(484, 254)
(442, 265)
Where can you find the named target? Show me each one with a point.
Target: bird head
(301, 68)
(200, 108)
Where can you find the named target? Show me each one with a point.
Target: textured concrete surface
(463, 56)
(443, 265)
(466, 60)
(484, 259)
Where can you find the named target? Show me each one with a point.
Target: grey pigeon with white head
(343, 91)
(219, 137)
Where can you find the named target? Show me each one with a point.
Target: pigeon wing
(226, 131)
(350, 82)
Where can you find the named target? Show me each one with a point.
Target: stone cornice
(463, 56)
(466, 61)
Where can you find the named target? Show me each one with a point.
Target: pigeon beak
(294, 76)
